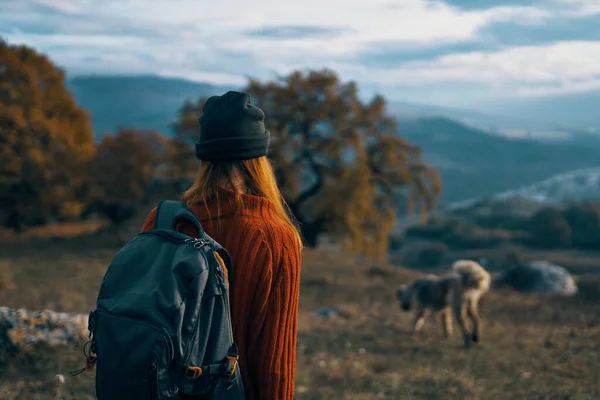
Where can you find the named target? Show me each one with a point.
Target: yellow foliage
(45, 140)
(339, 160)
(125, 166)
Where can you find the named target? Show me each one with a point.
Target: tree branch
(314, 189)
(316, 169)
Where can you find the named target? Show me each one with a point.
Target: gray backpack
(162, 324)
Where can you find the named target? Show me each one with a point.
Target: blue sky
(454, 52)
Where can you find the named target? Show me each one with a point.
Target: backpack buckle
(193, 372)
(233, 361)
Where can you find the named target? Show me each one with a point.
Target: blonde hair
(258, 180)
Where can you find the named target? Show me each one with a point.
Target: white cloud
(211, 40)
(410, 20)
(564, 87)
(72, 7)
(562, 67)
(579, 7)
(90, 41)
(226, 23)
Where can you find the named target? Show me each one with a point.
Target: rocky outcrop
(538, 277)
(21, 327)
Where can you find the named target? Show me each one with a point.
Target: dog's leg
(447, 321)
(474, 316)
(460, 313)
(419, 320)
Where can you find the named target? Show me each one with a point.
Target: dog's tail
(472, 275)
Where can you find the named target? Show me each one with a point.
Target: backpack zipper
(196, 242)
(187, 354)
(145, 322)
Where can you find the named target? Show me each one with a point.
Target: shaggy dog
(455, 293)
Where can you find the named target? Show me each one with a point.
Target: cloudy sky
(453, 52)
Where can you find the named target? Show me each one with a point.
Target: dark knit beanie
(232, 128)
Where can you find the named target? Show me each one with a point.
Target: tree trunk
(311, 232)
(15, 222)
(310, 237)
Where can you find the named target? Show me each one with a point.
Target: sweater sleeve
(274, 355)
(149, 223)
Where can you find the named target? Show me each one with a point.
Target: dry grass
(6, 277)
(533, 347)
(62, 229)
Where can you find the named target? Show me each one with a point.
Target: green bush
(470, 236)
(425, 254)
(434, 229)
(395, 242)
(584, 220)
(550, 229)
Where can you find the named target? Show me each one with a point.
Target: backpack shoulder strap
(169, 212)
(223, 253)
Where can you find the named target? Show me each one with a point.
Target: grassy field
(532, 347)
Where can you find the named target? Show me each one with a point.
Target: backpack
(162, 322)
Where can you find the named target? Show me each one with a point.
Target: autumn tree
(341, 163)
(125, 166)
(45, 140)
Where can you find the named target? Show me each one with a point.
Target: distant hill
(577, 109)
(147, 102)
(565, 113)
(473, 162)
(581, 184)
(505, 125)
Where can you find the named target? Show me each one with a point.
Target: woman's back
(259, 234)
(264, 291)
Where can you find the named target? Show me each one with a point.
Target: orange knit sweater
(265, 292)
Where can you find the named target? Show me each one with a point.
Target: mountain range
(581, 184)
(578, 109)
(142, 101)
(496, 123)
(475, 152)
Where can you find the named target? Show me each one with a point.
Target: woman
(236, 198)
